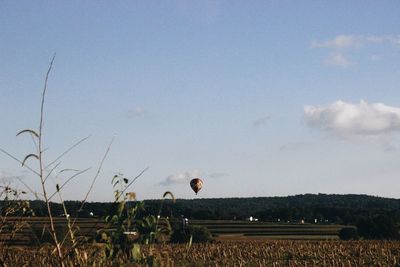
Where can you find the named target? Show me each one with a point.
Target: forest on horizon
(325, 208)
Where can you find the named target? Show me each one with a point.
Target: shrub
(380, 226)
(199, 234)
(348, 233)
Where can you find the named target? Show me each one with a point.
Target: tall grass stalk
(44, 173)
(38, 141)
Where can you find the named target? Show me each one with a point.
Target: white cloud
(339, 60)
(345, 41)
(354, 120)
(181, 177)
(136, 112)
(262, 120)
(340, 42)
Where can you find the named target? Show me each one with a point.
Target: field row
(266, 253)
(34, 230)
(27, 231)
(287, 253)
(240, 230)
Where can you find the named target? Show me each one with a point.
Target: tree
(348, 233)
(381, 226)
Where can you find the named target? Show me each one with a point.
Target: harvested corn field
(252, 253)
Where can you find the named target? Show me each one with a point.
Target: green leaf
(136, 252)
(121, 207)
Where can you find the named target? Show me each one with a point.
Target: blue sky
(258, 99)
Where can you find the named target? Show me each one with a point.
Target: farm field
(252, 253)
(245, 230)
(29, 230)
(287, 253)
(236, 243)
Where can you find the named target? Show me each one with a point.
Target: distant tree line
(375, 217)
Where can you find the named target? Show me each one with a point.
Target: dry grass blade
(93, 181)
(67, 181)
(43, 97)
(97, 173)
(51, 171)
(28, 187)
(69, 170)
(29, 131)
(170, 194)
(134, 179)
(29, 156)
(68, 150)
(14, 158)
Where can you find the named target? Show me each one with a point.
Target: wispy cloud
(136, 112)
(216, 175)
(262, 120)
(375, 58)
(292, 146)
(391, 148)
(338, 42)
(183, 177)
(338, 60)
(342, 45)
(345, 41)
(354, 120)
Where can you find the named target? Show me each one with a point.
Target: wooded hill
(342, 209)
(325, 208)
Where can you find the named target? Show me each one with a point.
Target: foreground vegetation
(267, 253)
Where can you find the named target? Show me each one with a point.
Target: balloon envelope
(196, 184)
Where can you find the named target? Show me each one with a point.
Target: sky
(260, 98)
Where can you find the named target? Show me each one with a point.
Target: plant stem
(41, 167)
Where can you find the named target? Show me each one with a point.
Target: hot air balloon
(196, 184)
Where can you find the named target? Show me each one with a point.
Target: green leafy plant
(125, 233)
(119, 236)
